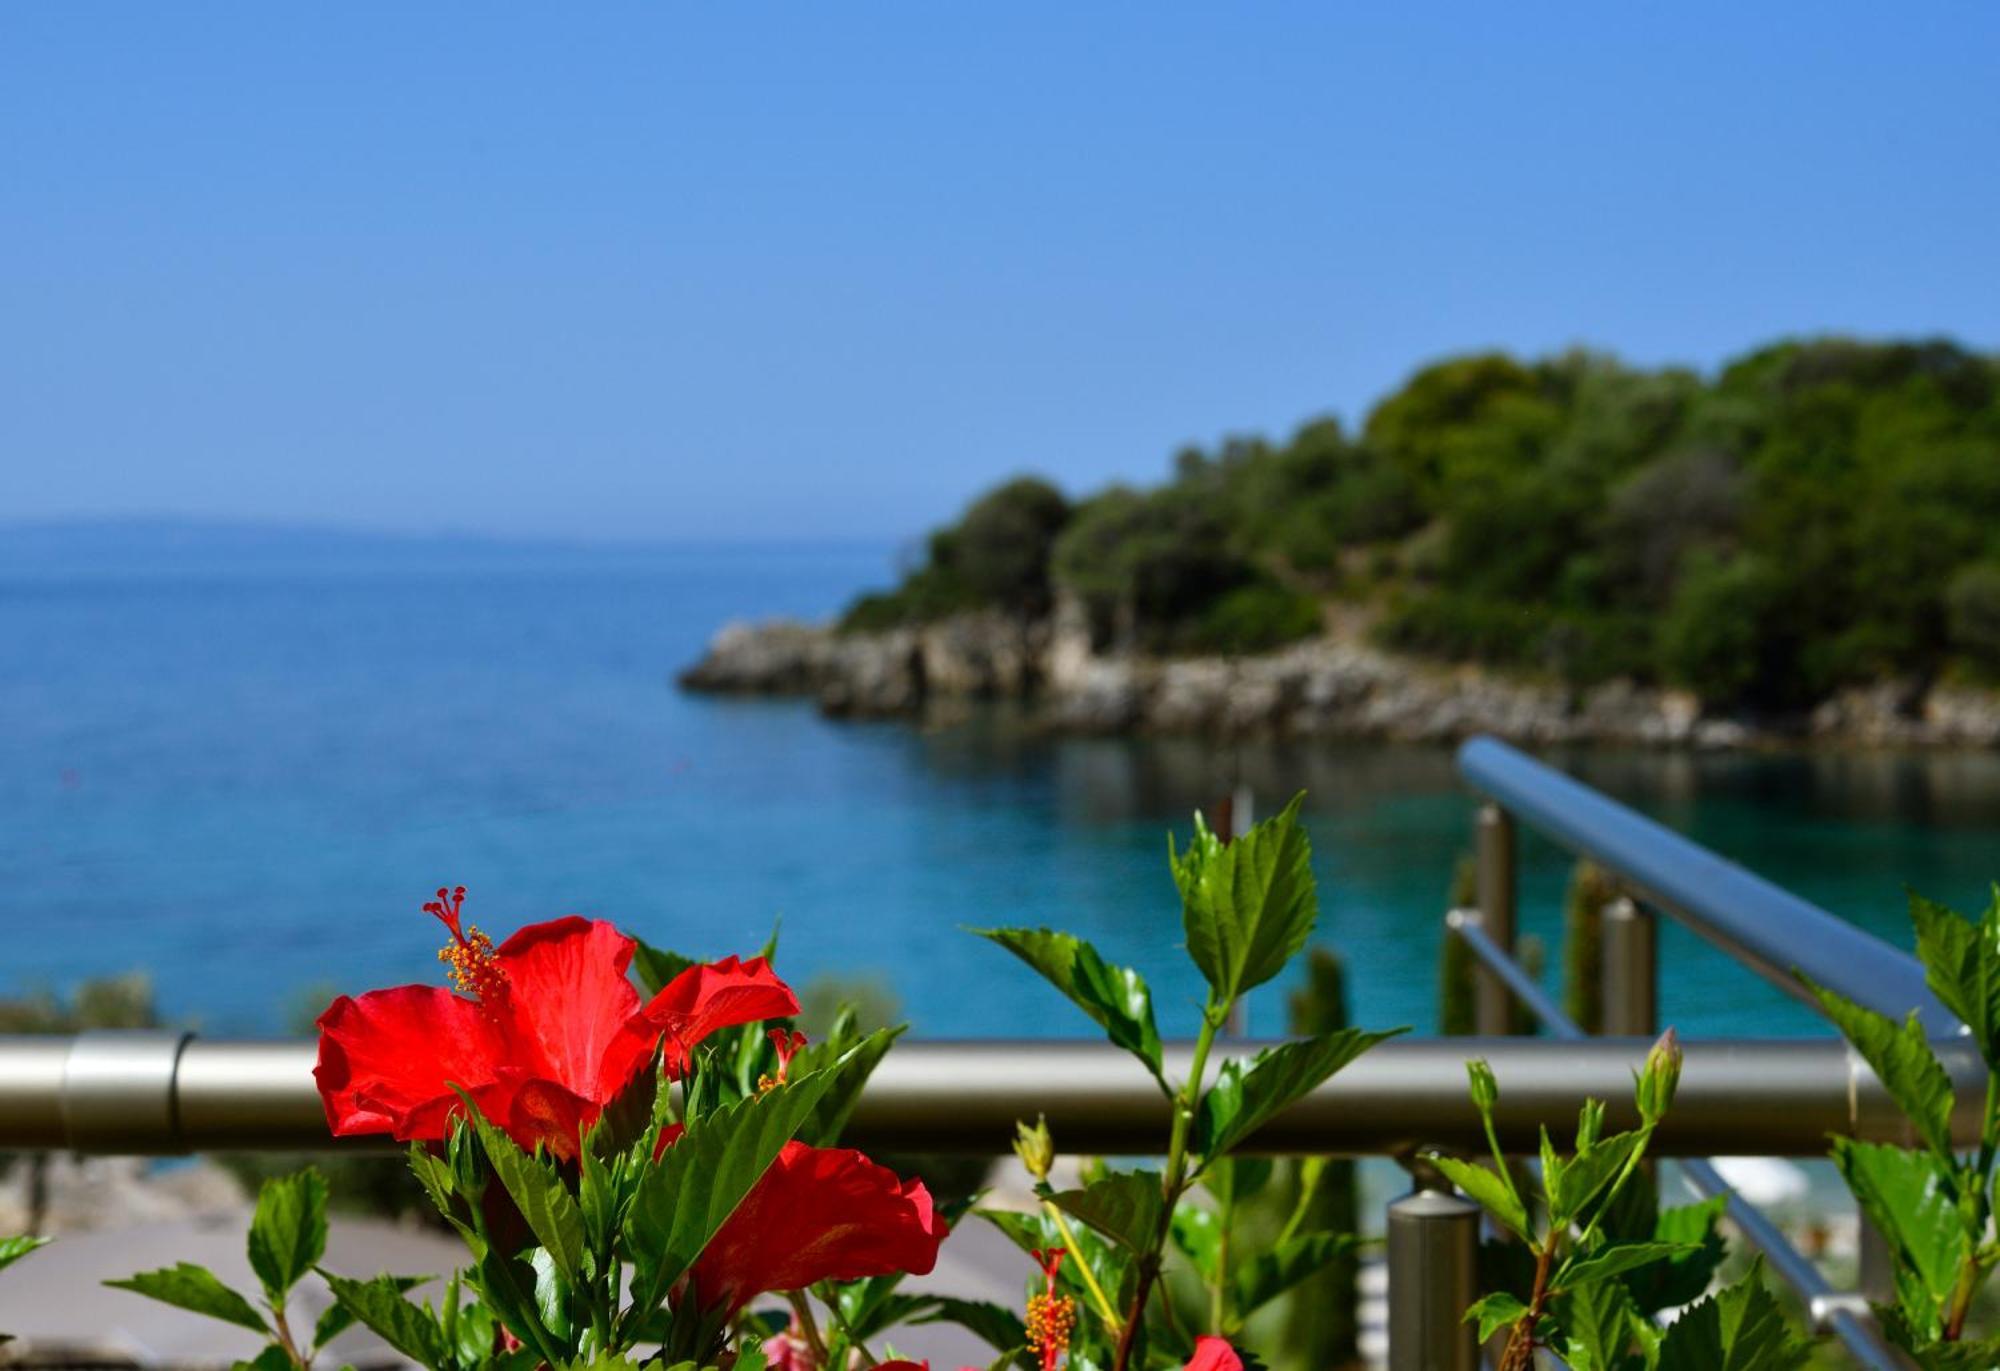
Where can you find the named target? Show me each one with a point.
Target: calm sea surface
(244, 775)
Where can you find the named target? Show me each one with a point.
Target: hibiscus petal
(387, 1053)
(704, 999)
(543, 1112)
(818, 1214)
(1213, 1354)
(569, 1004)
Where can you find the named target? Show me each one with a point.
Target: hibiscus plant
(1933, 1203)
(1587, 1257)
(12, 1249)
(1247, 908)
(627, 1171)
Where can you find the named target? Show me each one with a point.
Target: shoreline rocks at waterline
(1325, 687)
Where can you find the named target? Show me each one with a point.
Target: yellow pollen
(1051, 1318)
(472, 969)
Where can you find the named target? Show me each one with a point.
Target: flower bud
(1659, 1078)
(1035, 1148)
(1485, 1090)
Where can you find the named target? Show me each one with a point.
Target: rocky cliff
(1324, 688)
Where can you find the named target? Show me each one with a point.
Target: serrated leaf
(337, 1318)
(1275, 1269)
(1247, 906)
(1488, 1191)
(1115, 997)
(539, 1193)
(1122, 1205)
(1584, 1176)
(1615, 1259)
(1681, 1279)
(1962, 967)
(14, 1248)
(379, 1305)
(850, 1065)
(288, 1231)
(1598, 1322)
(1901, 1059)
(198, 1290)
(1232, 1180)
(1001, 1329)
(1243, 1099)
(1909, 1197)
(1494, 1312)
(682, 1201)
(272, 1358)
(1739, 1328)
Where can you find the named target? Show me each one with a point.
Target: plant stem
(1174, 1184)
(802, 1311)
(1520, 1353)
(854, 1344)
(1225, 1220)
(285, 1342)
(1112, 1323)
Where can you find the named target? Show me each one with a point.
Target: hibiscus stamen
(787, 1045)
(1051, 1317)
(469, 961)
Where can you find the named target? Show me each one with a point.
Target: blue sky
(826, 270)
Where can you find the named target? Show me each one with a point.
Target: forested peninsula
(1804, 544)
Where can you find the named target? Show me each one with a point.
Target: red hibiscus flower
(818, 1214)
(547, 1032)
(1210, 1354)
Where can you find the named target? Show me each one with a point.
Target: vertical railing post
(1493, 848)
(1631, 970)
(1433, 1252)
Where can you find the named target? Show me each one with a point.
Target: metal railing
(135, 1092)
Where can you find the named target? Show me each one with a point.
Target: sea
(239, 764)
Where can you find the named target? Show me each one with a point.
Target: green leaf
(1615, 1259)
(1739, 1328)
(1115, 997)
(656, 966)
(869, 1308)
(681, 1202)
(288, 1231)
(1276, 1269)
(1680, 1279)
(1962, 967)
(1494, 1312)
(1243, 1100)
(1489, 1191)
(539, 1193)
(1001, 1329)
(1599, 1322)
(379, 1305)
(1910, 1197)
(337, 1318)
(1197, 1232)
(1248, 906)
(197, 1289)
(1122, 1205)
(1233, 1180)
(272, 1358)
(1902, 1059)
(1583, 1176)
(850, 1066)
(13, 1249)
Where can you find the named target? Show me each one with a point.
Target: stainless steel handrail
(1763, 925)
(1781, 1097)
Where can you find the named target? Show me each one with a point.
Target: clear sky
(734, 270)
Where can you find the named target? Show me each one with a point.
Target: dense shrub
(1254, 618)
(1814, 515)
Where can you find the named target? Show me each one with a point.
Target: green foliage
(1815, 515)
(1932, 1203)
(12, 1249)
(1594, 1257)
(1247, 908)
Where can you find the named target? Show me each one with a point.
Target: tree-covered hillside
(1820, 513)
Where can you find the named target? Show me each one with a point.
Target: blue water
(244, 773)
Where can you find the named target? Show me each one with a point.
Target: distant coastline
(1335, 685)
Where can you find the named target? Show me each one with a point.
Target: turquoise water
(243, 775)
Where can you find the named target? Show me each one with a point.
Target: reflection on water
(247, 784)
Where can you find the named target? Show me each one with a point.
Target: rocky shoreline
(1327, 687)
